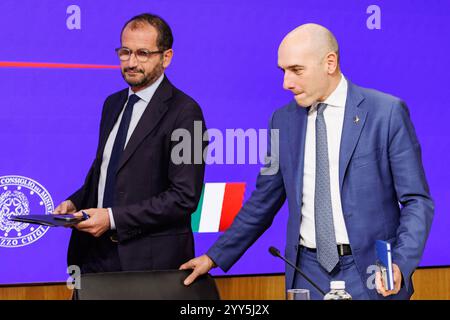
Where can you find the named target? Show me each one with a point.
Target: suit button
(114, 237)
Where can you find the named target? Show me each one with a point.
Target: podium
(145, 285)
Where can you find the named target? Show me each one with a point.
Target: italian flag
(218, 205)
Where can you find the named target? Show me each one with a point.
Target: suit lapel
(153, 113)
(354, 119)
(297, 122)
(111, 118)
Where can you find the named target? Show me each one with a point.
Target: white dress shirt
(334, 119)
(138, 109)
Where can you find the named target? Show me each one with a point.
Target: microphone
(276, 253)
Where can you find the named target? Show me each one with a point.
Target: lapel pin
(356, 120)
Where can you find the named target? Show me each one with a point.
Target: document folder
(384, 262)
(43, 219)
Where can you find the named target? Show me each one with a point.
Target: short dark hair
(164, 40)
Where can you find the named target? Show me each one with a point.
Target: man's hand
(397, 282)
(97, 224)
(200, 265)
(65, 207)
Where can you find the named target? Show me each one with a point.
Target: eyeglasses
(142, 55)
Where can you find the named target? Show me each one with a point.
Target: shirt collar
(338, 97)
(147, 93)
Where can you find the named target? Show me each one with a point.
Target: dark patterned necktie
(119, 145)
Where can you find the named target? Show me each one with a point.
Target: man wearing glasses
(138, 200)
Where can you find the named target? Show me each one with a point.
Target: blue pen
(85, 215)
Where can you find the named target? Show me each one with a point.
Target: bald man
(351, 170)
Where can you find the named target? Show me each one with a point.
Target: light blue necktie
(327, 254)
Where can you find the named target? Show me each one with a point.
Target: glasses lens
(123, 53)
(142, 55)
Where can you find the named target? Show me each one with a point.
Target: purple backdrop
(225, 57)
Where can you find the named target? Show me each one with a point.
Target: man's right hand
(199, 265)
(65, 207)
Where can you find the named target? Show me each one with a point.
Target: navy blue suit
(154, 197)
(384, 192)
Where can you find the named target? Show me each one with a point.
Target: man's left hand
(397, 282)
(97, 224)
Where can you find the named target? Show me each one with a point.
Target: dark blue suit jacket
(384, 192)
(154, 197)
